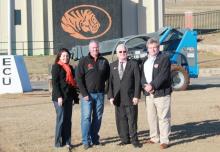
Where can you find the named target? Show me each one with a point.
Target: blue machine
(180, 44)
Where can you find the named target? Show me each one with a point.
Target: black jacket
(161, 78)
(59, 86)
(124, 90)
(91, 75)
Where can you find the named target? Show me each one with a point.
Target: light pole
(9, 27)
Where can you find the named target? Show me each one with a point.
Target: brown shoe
(150, 142)
(164, 146)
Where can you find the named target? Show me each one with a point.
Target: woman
(63, 93)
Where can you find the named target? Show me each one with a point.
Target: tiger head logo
(80, 21)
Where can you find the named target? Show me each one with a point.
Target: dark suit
(123, 91)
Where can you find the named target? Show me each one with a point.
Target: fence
(209, 20)
(28, 48)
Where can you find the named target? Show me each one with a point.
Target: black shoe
(137, 144)
(97, 144)
(124, 143)
(86, 147)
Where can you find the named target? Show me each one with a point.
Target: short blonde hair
(153, 40)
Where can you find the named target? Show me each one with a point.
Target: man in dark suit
(124, 93)
(156, 83)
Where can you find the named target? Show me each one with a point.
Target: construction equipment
(180, 44)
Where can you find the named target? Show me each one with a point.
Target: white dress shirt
(148, 68)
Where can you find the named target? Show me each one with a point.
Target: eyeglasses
(122, 51)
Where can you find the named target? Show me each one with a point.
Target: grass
(38, 64)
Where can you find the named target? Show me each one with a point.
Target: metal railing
(28, 48)
(203, 20)
(174, 20)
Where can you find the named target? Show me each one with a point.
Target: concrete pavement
(207, 72)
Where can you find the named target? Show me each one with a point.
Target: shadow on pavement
(183, 133)
(206, 31)
(142, 136)
(202, 86)
(193, 131)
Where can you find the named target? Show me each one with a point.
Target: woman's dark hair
(60, 52)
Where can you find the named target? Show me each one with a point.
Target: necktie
(121, 70)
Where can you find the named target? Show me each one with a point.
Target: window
(17, 17)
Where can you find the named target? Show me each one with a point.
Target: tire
(179, 77)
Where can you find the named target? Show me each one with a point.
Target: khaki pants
(159, 115)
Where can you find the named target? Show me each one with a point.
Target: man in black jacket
(156, 83)
(124, 93)
(92, 74)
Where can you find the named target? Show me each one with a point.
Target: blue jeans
(91, 117)
(63, 123)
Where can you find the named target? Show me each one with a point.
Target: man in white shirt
(156, 83)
